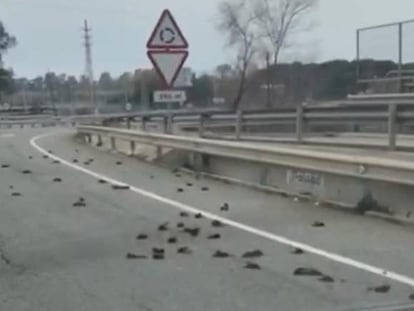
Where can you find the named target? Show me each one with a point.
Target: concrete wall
(389, 198)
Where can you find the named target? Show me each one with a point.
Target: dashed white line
(404, 279)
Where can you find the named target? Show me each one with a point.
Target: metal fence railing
(385, 57)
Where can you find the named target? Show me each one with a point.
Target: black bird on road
(192, 231)
(184, 250)
(221, 254)
(163, 227)
(225, 207)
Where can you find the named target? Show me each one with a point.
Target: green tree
(7, 41)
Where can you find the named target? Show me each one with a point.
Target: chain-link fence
(385, 57)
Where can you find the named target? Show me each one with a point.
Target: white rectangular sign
(169, 96)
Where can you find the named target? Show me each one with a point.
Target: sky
(50, 37)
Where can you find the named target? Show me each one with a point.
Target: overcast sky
(49, 32)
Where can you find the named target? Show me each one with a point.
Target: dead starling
(5, 166)
(252, 266)
(16, 194)
(180, 225)
(120, 187)
(204, 189)
(326, 279)
(11, 187)
(225, 207)
(27, 172)
(102, 181)
(79, 204)
(214, 236)
(30, 157)
(163, 227)
(307, 272)
(180, 190)
(50, 151)
(135, 256)
(118, 163)
(57, 179)
(184, 214)
(99, 144)
(81, 199)
(45, 157)
(318, 224)
(198, 216)
(55, 162)
(189, 184)
(156, 250)
(86, 163)
(297, 251)
(221, 254)
(380, 289)
(253, 254)
(172, 240)
(75, 161)
(142, 236)
(216, 223)
(158, 256)
(192, 231)
(184, 250)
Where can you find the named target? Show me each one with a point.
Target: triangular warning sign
(168, 64)
(167, 34)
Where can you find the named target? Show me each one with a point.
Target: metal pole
(299, 124)
(201, 125)
(392, 126)
(268, 95)
(239, 123)
(400, 55)
(358, 70)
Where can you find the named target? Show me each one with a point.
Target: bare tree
(278, 19)
(237, 20)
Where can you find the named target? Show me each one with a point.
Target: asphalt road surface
(65, 234)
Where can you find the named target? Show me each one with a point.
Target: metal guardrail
(391, 114)
(362, 167)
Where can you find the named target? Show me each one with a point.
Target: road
(57, 256)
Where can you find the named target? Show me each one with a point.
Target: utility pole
(88, 65)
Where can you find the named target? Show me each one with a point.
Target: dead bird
(217, 223)
(214, 236)
(184, 250)
(318, 224)
(163, 227)
(253, 254)
(225, 207)
(192, 231)
(252, 266)
(142, 236)
(135, 256)
(221, 254)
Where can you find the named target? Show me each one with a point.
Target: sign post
(167, 51)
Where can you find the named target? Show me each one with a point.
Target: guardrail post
(113, 144)
(170, 119)
(299, 124)
(392, 126)
(143, 124)
(99, 143)
(132, 147)
(165, 125)
(128, 122)
(201, 125)
(239, 124)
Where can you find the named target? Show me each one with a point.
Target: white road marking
(404, 279)
(7, 135)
